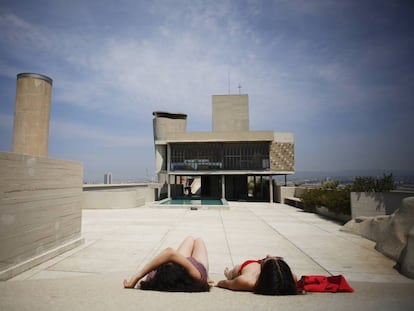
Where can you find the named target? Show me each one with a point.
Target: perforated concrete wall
(282, 156)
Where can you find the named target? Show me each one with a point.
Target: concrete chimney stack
(32, 114)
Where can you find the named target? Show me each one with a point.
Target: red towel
(320, 283)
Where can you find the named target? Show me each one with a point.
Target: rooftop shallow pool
(193, 202)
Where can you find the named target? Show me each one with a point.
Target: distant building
(222, 162)
(108, 178)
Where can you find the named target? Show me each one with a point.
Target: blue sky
(338, 74)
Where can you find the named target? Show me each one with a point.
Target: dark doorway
(236, 188)
(211, 186)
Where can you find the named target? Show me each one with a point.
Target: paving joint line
(156, 248)
(287, 239)
(226, 238)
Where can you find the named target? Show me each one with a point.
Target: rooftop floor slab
(120, 241)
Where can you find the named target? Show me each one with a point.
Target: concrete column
(223, 187)
(32, 114)
(168, 170)
(271, 188)
(169, 186)
(261, 186)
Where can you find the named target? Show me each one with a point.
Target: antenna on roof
(239, 87)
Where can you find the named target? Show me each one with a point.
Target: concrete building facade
(230, 162)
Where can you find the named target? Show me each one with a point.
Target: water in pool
(193, 202)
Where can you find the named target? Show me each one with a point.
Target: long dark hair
(171, 277)
(275, 279)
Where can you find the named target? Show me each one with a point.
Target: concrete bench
(296, 202)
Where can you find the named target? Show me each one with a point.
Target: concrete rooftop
(117, 242)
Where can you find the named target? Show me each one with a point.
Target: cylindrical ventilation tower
(32, 114)
(164, 123)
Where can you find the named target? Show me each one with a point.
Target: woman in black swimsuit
(267, 276)
(183, 270)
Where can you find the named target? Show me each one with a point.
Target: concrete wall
(370, 204)
(331, 215)
(40, 212)
(281, 192)
(118, 195)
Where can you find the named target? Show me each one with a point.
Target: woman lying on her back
(181, 270)
(267, 276)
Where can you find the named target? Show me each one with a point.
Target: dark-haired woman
(181, 270)
(267, 276)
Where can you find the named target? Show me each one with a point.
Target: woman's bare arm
(233, 273)
(241, 283)
(150, 266)
(167, 255)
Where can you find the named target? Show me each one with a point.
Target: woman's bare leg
(200, 252)
(186, 247)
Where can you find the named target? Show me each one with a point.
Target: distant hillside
(351, 173)
(403, 179)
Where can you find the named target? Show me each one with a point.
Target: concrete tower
(230, 113)
(164, 123)
(32, 114)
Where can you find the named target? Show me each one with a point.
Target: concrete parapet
(283, 192)
(118, 195)
(370, 204)
(40, 210)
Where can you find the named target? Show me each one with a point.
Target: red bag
(320, 283)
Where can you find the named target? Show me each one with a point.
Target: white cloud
(173, 57)
(20, 32)
(71, 131)
(176, 70)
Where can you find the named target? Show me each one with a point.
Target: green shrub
(312, 198)
(370, 184)
(385, 184)
(363, 184)
(330, 184)
(337, 199)
(329, 195)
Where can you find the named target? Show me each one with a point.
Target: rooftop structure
(32, 114)
(220, 163)
(108, 178)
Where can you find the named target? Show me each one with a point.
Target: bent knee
(190, 238)
(199, 242)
